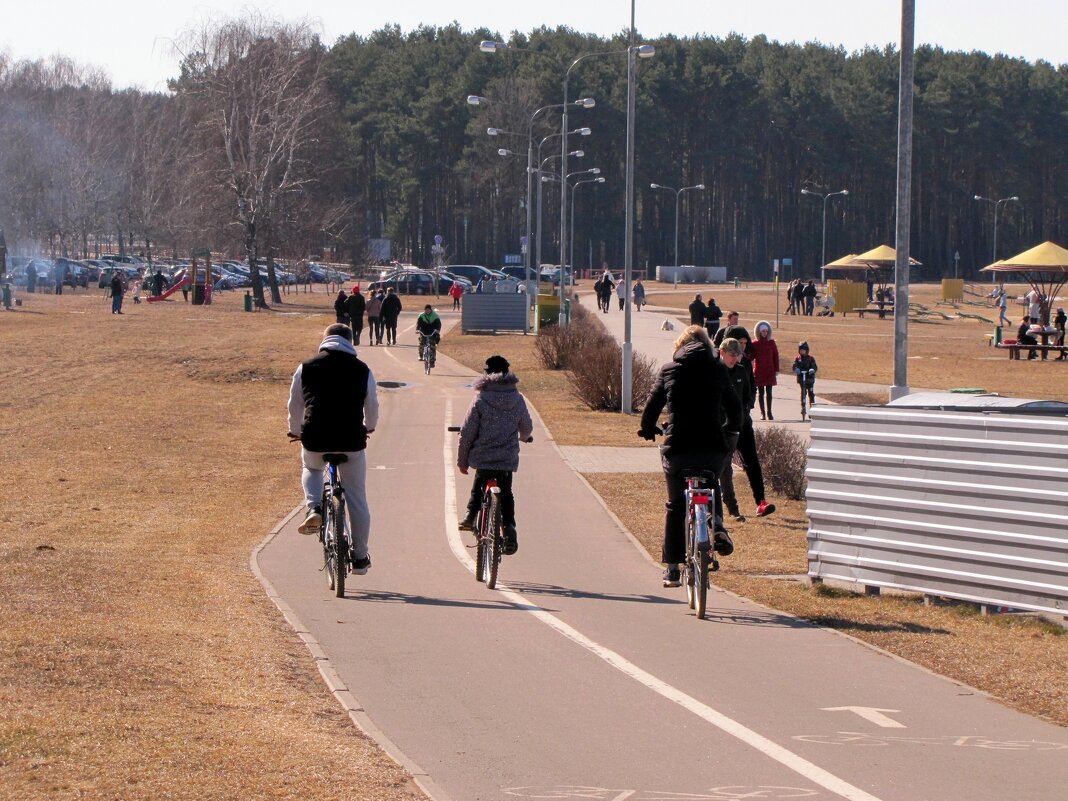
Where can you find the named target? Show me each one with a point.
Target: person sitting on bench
(1023, 337)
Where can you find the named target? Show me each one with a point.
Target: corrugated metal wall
(967, 505)
(493, 312)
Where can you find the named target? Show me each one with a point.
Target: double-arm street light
(477, 100)
(542, 179)
(571, 233)
(997, 205)
(823, 246)
(677, 192)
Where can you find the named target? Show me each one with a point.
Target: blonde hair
(693, 333)
(731, 345)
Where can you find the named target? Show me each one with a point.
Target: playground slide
(172, 290)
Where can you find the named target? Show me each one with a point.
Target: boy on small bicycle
(805, 370)
(428, 324)
(489, 441)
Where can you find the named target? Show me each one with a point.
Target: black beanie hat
(497, 364)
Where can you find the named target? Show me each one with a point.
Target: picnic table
(880, 309)
(1014, 346)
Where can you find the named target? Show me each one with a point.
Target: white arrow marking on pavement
(870, 714)
(814, 773)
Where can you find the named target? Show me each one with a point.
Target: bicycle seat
(701, 475)
(335, 458)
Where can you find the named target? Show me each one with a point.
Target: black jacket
(713, 313)
(334, 383)
(696, 390)
(697, 313)
(356, 304)
(391, 307)
(744, 385)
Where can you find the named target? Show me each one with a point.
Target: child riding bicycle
(489, 441)
(805, 370)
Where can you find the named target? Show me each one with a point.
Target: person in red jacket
(456, 292)
(765, 367)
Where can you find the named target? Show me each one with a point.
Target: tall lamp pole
(903, 214)
(678, 193)
(571, 233)
(823, 246)
(997, 205)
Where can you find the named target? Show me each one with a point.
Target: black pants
(357, 329)
(455, 304)
(390, 324)
(675, 469)
(748, 451)
(504, 481)
(712, 327)
(761, 393)
(374, 330)
(1027, 339)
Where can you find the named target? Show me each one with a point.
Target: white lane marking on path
(870, 714)
(783, 756)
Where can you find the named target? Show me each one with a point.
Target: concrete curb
(342, 694)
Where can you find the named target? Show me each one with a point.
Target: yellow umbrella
(881, 256)
(839, 263)
(1044, 267)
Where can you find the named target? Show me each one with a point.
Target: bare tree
(259, 90)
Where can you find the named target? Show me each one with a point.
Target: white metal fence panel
(967, 505)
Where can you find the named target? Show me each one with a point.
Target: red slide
(184, 282)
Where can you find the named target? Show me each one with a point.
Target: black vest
(334, 386)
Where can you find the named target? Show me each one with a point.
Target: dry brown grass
(1019, 660)
(144, 457)
(942, 354)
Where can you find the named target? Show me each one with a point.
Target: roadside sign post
(775, 267)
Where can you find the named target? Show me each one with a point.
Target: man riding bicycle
(695, 390)
(333, 403)
(489, 441)
(428, 324)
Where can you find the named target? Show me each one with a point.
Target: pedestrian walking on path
(765, 367)
(355, 307)
(697, 311)
(740, 373)
(638, 294)
(391, 309)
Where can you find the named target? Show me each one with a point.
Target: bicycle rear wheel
(700, 584)
(690, 551)
(326, 538)
(493, 542)
(341, 551)
(480, 550)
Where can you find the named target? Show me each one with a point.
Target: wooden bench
(1014, 348)
(887, 308)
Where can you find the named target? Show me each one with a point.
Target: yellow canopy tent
(878, 263)
(1044, 267)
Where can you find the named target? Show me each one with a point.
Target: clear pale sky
(132, 40)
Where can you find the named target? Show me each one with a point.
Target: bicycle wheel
(480, 551)
(326, 538)
(702, 558)
(337, 534)
(690, 551)
(493, 542)
(426, 359)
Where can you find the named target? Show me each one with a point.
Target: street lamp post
(571, 232)
(997, 205)
(542, 179)
(678, 193)
(823, 246)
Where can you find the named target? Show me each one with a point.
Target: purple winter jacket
(495, 422)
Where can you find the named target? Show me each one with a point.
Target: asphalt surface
(585, 679)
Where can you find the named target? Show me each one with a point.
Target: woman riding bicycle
(428, 325)
(695, 390)
(489, 441)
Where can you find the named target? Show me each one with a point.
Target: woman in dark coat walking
(339, 307)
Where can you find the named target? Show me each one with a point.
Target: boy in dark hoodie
(489, 441)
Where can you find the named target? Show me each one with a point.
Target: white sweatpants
(353, 474)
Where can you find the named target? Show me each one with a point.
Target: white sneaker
(312, 523)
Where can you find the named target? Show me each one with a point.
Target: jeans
(504, 481)
(116, 303)
(353, 474)
(673, 550)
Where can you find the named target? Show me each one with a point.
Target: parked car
(415, 282)
(472, 272)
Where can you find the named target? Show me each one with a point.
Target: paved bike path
(590, 675)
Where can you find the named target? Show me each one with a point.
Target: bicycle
(336, 545)
(428, 351)
(489, 531)
(700, 553)
(807, 380)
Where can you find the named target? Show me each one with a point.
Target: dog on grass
(667, 326)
